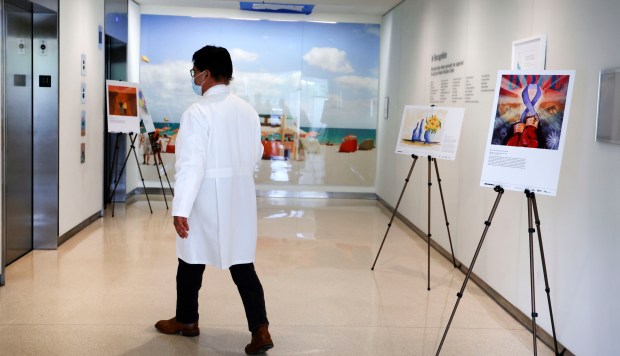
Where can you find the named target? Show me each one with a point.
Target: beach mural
(314, 85)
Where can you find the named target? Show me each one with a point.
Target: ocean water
(167, 128)
(324, 135)
(335, 135)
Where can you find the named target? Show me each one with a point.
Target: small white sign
(83, 93)
(386, 107)
(529, 53)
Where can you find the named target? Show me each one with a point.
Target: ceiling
(352, 7)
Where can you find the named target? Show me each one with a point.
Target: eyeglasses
(193, 73)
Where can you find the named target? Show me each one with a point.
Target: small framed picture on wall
(83, 123)
(529, 53)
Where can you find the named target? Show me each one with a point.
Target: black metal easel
(132, 139)
(531, 208)
(157, 156)
(114, 164)
(428, 236)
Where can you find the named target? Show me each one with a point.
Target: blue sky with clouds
(327, 74)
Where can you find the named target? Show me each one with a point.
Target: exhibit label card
(528, 129)
(430, 131)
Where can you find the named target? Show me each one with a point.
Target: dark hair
(216, 60)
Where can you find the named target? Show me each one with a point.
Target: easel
(157, 156)
(428, 236)
(132, 139)
(531, 208)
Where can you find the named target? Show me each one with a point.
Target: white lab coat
(217, 148)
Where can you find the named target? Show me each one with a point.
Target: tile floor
(101, 292)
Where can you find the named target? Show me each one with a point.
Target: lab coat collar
(217, 89)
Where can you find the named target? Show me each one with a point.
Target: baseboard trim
(513, 311)
(81, 226)
(150, 191)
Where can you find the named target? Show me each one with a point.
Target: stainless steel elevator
(29, 128)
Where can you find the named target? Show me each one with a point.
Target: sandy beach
(328, 167)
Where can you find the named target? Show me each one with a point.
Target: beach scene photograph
(314, 86)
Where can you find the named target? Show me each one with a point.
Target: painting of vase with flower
(422, 127)
(432, 131)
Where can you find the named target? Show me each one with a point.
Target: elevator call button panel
(19, 80)
(21, 46)
(43, 47)
(45, 81)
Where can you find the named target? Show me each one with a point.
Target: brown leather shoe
(261, 341)
(172, 326)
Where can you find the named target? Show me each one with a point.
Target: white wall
(580, 239)
(81, 185)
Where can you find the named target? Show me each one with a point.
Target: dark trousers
(189, 281)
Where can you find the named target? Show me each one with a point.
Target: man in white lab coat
(214, 207)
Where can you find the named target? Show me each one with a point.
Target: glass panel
(314, 86)
(339, 105)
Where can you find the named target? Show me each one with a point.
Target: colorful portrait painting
(530, 111)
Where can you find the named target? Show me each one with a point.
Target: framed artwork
(529, 53)
(83, 123)
(122, 107)
(527, 130)
(147, 120)
(608, 113)
(430, 131)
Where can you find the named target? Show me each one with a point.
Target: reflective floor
(101, 292)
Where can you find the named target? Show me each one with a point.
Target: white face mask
(198, 88)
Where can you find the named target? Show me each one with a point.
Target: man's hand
(181, 226)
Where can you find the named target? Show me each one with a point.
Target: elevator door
(31, 128)
(18, 132)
